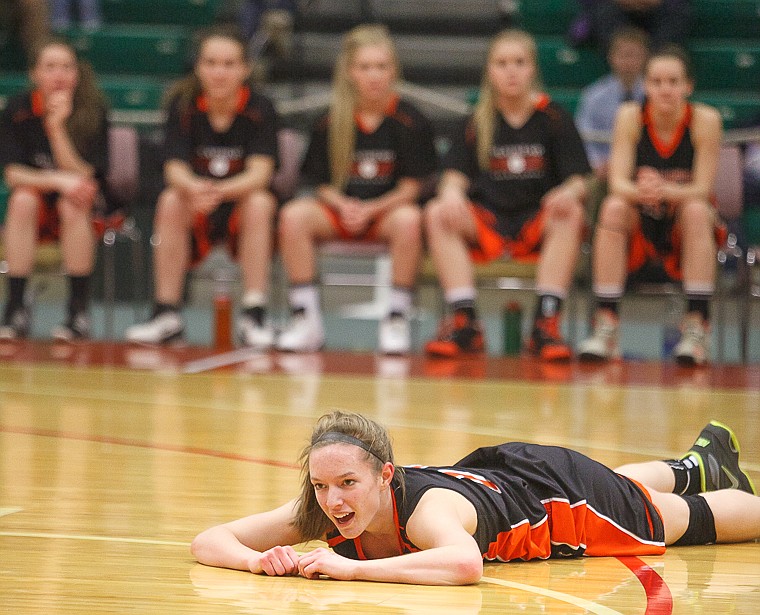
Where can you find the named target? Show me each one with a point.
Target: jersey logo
(471, 476)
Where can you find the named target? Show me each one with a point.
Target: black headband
(336, 436)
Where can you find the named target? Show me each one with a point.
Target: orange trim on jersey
(543, 101)
(38, 103)
(642, 251)
(492, 245)
(578, 526)
(666, 150)
(390, 111)
(203, 246)
(243, 96)
(371, 234)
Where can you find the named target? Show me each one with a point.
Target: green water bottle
(512, 328)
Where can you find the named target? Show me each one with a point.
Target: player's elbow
(468, 570)
(199, 548)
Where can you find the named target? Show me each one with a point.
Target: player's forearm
(450, 565)
(65, 155)
(219, 547)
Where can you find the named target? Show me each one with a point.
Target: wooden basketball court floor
(113, 457)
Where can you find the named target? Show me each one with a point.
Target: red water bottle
(222, 318)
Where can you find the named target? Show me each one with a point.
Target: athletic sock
(79, 298)
(547, 306)
(687, 475)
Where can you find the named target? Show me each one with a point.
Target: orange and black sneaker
(457, 335)
(546, 342)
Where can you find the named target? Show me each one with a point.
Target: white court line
(9, 511)
(140, 541)
(220, 360)
(590, 607)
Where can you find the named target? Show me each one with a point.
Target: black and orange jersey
(525, 162)
(23, 139)
(535, 501)
(210, 153)
(673, 160)
(401, 146)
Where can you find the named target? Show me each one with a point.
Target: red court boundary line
(659, 598)
(173, 448)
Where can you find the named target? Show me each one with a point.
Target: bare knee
(406, 225)
(171, 212)
(257, 209)
(293, 221)
(23, 205)
(697, 216)
(614, 212)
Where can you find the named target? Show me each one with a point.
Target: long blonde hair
(484, 115)
(341, 135)
(310, 521)
(89, 106)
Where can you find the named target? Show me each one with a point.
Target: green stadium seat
(146, 50)
(738, 109)
(126, 92)
(725, 18)
(135, 93)
(726, 64)
(563, 66)
(11, 55)
(10, 85)
(566, 97)
(541, 17)
(4, 192)
(174, 12)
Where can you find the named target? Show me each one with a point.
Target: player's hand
(58, 107)
(650, 186)
(80, 190)
(327, 562)
(276, 562)
(354, 216)
(204, 196)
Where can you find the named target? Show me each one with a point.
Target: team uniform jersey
(534, 501)
(219, 155)
(658, 241)
(400, 147)
(25, 142)
(524, 164)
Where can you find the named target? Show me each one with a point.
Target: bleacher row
(144, 45)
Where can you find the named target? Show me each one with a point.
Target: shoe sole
(174, 337)
(734, 443)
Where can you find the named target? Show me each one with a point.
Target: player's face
(55, 70)
(348, 488)
(511, 69)
(627, 59)
(372, 72)
(221, 67)
(666, 83)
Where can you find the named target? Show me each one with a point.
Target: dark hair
(187, 89)
(89, 106)
(630, 34)
(310, 521)
(671, 50)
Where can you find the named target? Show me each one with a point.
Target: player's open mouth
(344, 518)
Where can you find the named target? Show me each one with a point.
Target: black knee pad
(701, 530)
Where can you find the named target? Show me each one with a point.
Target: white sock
(305, 297)
(461, 293)
(400, 301)
(254, 298)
